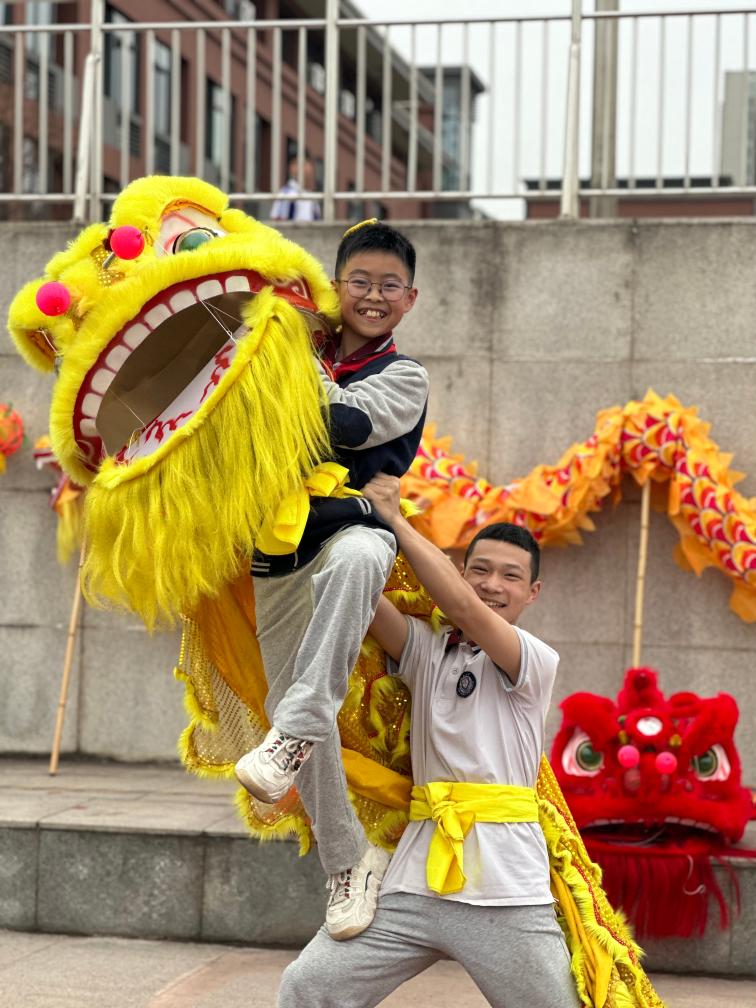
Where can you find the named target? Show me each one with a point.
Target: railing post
(570, 204)
(331, 109)
(604, 125)
(84, 148)
(97, 51)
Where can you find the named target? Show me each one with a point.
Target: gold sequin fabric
(109, 276)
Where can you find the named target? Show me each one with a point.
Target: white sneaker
(354, 895)
(268, 771)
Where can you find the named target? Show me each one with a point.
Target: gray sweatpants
(516, 955)
(310, 625)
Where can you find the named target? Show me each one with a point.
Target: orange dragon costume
(186, 403)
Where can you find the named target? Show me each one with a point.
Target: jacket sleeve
(379, 408)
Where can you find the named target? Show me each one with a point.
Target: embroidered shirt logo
(466, 684)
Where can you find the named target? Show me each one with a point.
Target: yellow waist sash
(282, 532)
(455, 808)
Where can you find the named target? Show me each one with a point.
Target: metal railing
(444, 112)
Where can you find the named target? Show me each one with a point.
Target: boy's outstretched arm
(444, 583)
(389, 627)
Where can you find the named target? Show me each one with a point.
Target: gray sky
(541, 148)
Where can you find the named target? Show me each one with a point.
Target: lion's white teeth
(184, 299)
(90, 404)
(117, 357)
(135, 335)
(88, 427)
(156, 315)
(237, 283)
(101, 380)
(208, 289)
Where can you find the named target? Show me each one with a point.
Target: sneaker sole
(255, 789)
(346, 933)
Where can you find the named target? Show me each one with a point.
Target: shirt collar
(456, 638)
(377, 347)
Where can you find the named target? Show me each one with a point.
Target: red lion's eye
(711, 765)
(580, 758)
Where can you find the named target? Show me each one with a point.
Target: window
(164, 84)
(37, 14)
(30, 166)
(40, 13)
(162, 89)
(120, 46)
(6, 162)
(220, 125)
(239, 10)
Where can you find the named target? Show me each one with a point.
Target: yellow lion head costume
(186, 399)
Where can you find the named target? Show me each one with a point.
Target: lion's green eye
(706, 764)
(587, 757)
(190, 240)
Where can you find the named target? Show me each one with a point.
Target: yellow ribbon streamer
(282, 531)
(597, 962)
(455, 807)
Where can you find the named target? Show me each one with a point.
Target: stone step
(149, 851)
(145, 851)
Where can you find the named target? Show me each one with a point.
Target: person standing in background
(287, 209)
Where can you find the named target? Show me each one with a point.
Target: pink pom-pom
(666, 762)
(126, 242)
(628, 757)
(53, 298)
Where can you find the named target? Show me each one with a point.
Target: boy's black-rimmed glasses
(359, 287)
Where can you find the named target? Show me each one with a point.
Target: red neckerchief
(455, 638)
(381, 346)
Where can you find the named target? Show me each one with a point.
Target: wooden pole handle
(67, 665)
(640, 579)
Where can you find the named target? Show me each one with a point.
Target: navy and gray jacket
(376, 418)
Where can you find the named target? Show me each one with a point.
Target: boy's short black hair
(515, 534)
(378, 237)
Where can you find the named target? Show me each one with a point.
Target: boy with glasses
(314, 606)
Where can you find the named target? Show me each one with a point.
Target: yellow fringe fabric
(605, 959)
(171, 529)
(70, 510)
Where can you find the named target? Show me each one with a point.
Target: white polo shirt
(493, 735)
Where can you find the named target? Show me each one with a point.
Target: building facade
(232, 104)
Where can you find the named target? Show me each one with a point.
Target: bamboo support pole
(640, 580)
(67, 665)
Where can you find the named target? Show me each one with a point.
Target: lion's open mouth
(641, 832)
(157, 371)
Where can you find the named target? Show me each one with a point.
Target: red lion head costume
(654, 786)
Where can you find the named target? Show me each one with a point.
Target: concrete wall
(527, 331)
